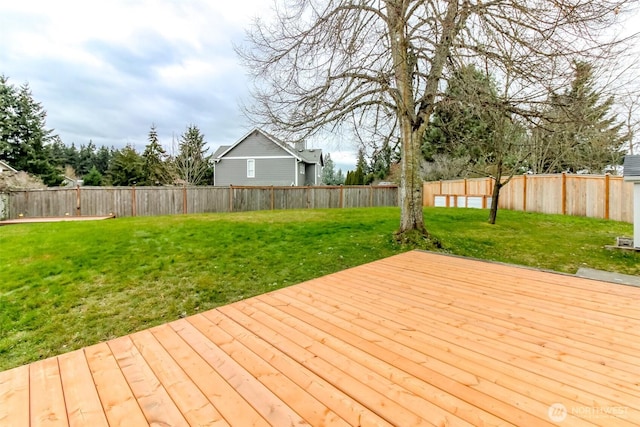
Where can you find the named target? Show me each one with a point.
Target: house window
(251, 168)
(301, 167)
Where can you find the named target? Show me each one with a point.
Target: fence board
(146, 201)
(596, 196)
(207, 199)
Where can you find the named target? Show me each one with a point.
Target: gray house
(259, 159)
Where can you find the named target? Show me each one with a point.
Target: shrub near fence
(150, 201)
(595, 196)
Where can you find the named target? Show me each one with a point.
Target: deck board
(414, 339)
(80, 395)
(191, 402)
(14, 396)
(48, 407)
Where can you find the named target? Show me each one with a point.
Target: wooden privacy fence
(596, 196)
(149, 201)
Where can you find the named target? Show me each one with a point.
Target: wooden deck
(415, 339)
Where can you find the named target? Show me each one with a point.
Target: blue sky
(105, 71)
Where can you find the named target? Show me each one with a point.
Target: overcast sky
(106, 70)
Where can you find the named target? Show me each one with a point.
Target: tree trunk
(411, 217)
(495, 197)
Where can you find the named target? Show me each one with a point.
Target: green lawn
(68, 285)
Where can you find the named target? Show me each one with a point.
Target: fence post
(524, 192)
(465, 186)
(78, 210)
(341, 195)
(273, 203)
(184, 199)
(607, 185)
(564, 193)
(133, 201)
(230, 198)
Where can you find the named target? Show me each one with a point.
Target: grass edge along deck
(415, 339)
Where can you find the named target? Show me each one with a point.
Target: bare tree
(321, 64)
(631, 105)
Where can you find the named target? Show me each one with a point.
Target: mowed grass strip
(67, 285)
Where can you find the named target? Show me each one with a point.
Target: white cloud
(106, 70)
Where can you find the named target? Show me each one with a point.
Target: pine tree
(193, 164)
(126, 167)
(103, 159)
(23, 132)
(329, 174)
(462, 121)
(93, 178)
(358, 176)
(579, 132)
(86, 158)
(155, 168)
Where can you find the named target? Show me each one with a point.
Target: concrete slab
(607, 276)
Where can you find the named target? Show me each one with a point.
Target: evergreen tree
(461, 122)
(126, 167)
(93, 178)
(579, 131)
(23, 132)
(328, 171)
(359, 176)
(349, 179)
(381, 163)
(155, 161)
(56, 153)
(103, 159)
(86, 158)
(71, 156)
(329, 174)
(193, 164)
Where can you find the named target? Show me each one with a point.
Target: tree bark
(495, 197)
(411, 217)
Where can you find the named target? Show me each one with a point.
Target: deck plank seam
(486, 396)
(574, 321)
(259, 332)
(381, 308)
(310, 363)
(516, 293)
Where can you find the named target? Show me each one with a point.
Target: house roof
(222, 149)
(307, 156)
(632, 166)
(5, 165)
(415, 339)
(312, 156)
